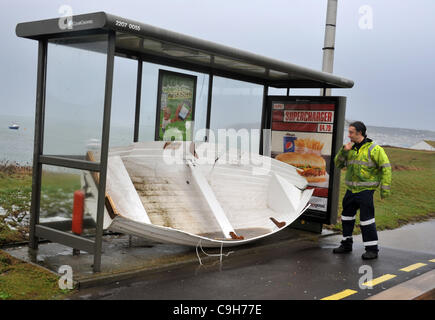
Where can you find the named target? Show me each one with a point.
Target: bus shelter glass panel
(150, 77)
(236, 110)
(64, 188)
(277, 91)
(75, 86)
(123, 102)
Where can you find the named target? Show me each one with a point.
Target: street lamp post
(328, 46)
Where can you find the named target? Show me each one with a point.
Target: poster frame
(162, 74)
(330, 217)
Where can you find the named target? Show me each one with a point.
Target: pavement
(303, 270)
(124, 257)
(293, 265)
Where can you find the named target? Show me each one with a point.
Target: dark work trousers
(364, 202)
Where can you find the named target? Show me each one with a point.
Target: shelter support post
(38, 143)
(209, 99)
(138, 97)
(104, 152)
(264, 117)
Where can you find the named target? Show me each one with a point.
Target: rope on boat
(220, 255)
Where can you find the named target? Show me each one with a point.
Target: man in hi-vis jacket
(367, 168)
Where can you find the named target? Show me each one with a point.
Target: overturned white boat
(190, 194)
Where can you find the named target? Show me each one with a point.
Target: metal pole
(209, 98)
(38, 143)
(104, 152)
(138, 97)
(329, 43)
(264, 116)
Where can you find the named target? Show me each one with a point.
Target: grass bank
(20, 280)
(412, 188)
(15, 195)
(57, 191)
(23, 281)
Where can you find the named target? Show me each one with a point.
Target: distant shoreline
(402, 148)
(248, 126)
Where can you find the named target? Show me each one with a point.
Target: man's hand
(348, 146)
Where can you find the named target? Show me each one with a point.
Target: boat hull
(197, 200)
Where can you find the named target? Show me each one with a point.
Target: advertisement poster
(175, 105)
(302, 136)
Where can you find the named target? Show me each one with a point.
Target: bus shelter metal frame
(45, 30)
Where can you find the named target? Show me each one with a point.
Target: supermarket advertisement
(302, 136)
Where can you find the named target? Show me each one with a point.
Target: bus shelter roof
(138, 40)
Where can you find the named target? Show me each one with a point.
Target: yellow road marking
(340, 295)
(371, 283)
(378, 280)
(413, 267)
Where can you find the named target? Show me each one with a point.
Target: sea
(16, 146)
(61, 137)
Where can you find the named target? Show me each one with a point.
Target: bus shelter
(107, 36)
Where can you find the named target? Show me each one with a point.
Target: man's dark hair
(359, 126)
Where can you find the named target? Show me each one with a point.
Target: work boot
(345, 246)
(369, 254)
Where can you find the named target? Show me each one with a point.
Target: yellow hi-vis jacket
(367, 168)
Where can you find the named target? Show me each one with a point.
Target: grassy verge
(15, 195)
(23, 281)
(15, 199)
(411, 197)
(18, 279)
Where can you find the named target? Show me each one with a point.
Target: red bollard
(77, 215)
(78, 208)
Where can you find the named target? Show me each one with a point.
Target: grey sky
(393, 64)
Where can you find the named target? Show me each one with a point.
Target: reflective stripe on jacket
(367, 168)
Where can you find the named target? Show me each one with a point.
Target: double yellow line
(348, 292)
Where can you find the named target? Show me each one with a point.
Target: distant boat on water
(14, 126)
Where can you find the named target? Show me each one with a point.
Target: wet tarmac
(125, 257)
(304, 269)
